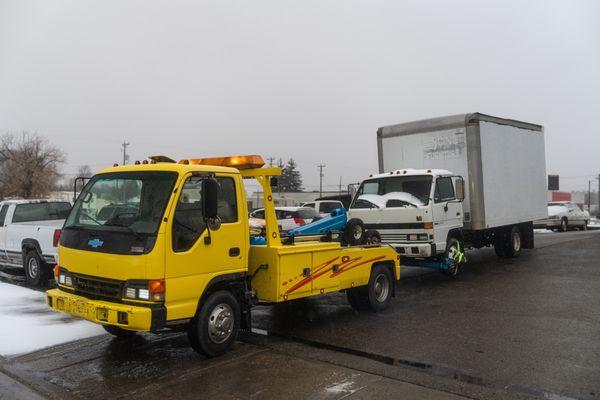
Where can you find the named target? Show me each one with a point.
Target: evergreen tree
(291, 180)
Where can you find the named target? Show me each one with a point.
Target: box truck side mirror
(459, 188)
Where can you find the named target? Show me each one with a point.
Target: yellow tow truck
(167, 245)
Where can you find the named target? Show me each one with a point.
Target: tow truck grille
(96, 287)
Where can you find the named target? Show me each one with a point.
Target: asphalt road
(516, 328)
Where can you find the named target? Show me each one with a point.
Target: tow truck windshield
(418, 186)
(130, 202)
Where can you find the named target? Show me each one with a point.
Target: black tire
(215, 327)
(451, 247)
(514, 242)
(584, 226)
(36, 270)
(500, 248)
(372, 237)
(354, 232)
(380, 288)
(358, 298)
(118, 331)
(564, 225)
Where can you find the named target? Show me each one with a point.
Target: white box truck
(455, 182)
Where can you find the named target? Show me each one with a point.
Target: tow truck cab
(173, 251)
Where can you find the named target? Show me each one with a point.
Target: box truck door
(447, 210)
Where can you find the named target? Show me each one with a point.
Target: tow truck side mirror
(210, 192)
(459, 188)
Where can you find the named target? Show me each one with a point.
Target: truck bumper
(547, 223)
(135, 318)
(419, 250)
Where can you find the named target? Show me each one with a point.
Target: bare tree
(83, 171)
(29, 165)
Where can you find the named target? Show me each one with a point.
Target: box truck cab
(477, 181)
(414, 210)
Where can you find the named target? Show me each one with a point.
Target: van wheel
(564, 225)
(118, 331)
(354, 232)
(36, 270)
(372, 237)
(514, 243)
(214, 329)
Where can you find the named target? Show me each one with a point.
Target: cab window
(188, 221)
(3, 211)
(444, 190)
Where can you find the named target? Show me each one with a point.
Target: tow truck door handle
(234, 252)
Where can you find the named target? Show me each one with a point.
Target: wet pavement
(518, 328)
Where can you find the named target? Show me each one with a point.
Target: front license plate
(79, 308)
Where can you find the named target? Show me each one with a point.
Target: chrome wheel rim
(516, 241)
(32, 267)
(382, 288)
(220, 323)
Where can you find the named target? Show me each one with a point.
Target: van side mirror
(459, 188)
(210, 193)
(274, 181)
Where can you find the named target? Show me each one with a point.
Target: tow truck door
(194, 255)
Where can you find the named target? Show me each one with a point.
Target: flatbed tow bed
(191, 265)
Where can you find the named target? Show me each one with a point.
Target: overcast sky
(312, 80)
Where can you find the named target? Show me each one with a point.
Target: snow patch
(28, 324)
(345, 387)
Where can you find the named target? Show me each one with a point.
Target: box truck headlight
(152, 290)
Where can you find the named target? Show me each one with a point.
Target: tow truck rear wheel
(118, 331)
(377, 294)
(214, 329)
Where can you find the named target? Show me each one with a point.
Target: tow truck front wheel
(214, 329)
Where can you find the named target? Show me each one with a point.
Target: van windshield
(418, 186)
(123, 201)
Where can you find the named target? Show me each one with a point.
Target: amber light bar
(241, 162)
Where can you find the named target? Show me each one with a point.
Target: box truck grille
(391, 237)
(96, 287)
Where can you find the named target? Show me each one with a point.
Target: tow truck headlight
(153, 290)
(64, 277)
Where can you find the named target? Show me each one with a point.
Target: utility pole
(589, 195)
(271, 159)
(321, 166)
(125, 156)
(340, 187)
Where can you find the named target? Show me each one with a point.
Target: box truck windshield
(414, 190)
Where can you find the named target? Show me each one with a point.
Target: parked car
(29, 235)
(564, 215)
(288, 217)
(324, 207)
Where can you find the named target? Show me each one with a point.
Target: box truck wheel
(514, 242)
(354, 232)
(215, 327)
